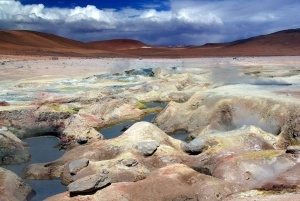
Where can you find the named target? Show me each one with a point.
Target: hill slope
(282, 43)
(24, 42)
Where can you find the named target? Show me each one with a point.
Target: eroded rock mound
(12, 149)
(13, 187)
(173, 182)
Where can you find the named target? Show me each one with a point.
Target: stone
(13, 188)
(146, 148)
(193, 147)
(293, 150)
(88, 184)
(12, 150)
(130, 162)
(105, 171)
(77, 165)
(82, 140)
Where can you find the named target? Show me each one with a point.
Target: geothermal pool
(118, 129)
(42, 150)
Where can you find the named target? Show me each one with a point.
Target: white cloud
(186, 22)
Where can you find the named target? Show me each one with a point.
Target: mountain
(282, 43)
(23, 42)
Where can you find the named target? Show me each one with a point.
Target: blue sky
(155, 22)
(103, 4)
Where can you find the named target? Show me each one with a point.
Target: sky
(155, 22)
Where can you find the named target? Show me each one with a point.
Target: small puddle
(117, 130)
(180, 135)
(42, 149)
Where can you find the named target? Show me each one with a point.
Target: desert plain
(240, 116)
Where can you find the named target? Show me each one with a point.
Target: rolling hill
(282, 43)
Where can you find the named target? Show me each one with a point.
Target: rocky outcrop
(12, 149)
(109, 154)
(73, 122)
(77, 165)
(146, 148)
(173, 182)
(13, 187)
(227, 108)
(88, 184)
(255, 195)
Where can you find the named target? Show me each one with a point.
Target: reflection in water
(180, 135)
(42, 149)
(117, 130)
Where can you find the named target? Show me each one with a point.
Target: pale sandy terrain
(25, 68)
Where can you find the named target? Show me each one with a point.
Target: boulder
(146, 148)
(88, 184)
(13, 188)
(12, 150)
(130, 162)
(77, 165)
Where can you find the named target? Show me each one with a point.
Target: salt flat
(20, 68)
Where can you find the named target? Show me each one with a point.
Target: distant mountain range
(21, 42)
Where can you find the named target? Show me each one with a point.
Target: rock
(12, 151)
(251, 169)
(257, 195)
(289, 179)
(146, 148)
(113, 110)
(77, 165)
(109, 154)
(82, 125)
(293, 150)
(124, 128)
(88, 184)
(105, 171)
(82, 140)
(13, 188)
(228, 107)
(193, 147)
(167, 183)
(130, 162)
(4, 103)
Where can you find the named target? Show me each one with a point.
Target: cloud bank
(184, 22)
